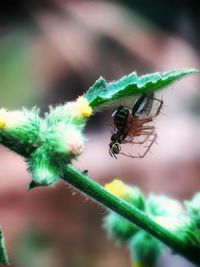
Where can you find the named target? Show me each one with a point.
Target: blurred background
(51, 51)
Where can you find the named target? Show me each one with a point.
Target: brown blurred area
(52, 51)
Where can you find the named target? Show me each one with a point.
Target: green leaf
(3, 253)
(103, 94)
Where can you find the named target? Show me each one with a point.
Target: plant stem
(11, 143)
(87, 186)
(123, 208)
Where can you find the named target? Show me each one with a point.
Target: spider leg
(130, 141)
(133, 142)
(146, 151)
(146, 131)
(149, 146)
(147, 134)
(159, 107)
(129, 155)
(150, 127)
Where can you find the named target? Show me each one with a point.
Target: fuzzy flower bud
(191, 231)
(12, 119)
(194, 203)
(171, 223)
(22, 125)
(67, 139)
(116, 226)
(167, 212)
(164, 206)
(144, 249)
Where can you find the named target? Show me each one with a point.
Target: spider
(131, 123)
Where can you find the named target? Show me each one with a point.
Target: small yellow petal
(118, 188)
(2, 124)
(136, 264)
(79, 109)
(3, 118)
(82, 107)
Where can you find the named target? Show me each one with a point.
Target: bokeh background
(51, 51)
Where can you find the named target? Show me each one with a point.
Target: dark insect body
(121, 118)
(130, 123)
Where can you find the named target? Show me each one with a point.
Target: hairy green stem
(101, 195)
(14, 145)
(87, 186)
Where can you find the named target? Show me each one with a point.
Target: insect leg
(112, 154)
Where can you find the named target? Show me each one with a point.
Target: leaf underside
(103, 93)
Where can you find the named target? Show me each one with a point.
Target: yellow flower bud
(136, 264)
(82, 107)
(78, 109)
(118, 188)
